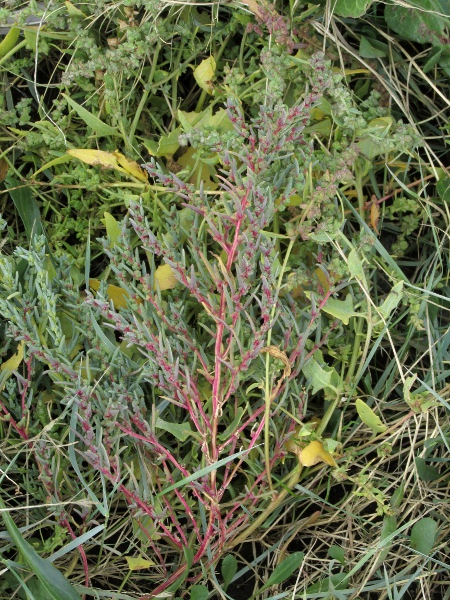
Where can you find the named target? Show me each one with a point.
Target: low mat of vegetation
(223, 300)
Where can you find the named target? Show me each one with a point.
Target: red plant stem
(374, 200)
(216, 388)
(81, 551)
(20, 430)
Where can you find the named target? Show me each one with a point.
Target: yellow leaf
(112, 227)
(164, 278)
(315, 453)
(131, 167)
(13, 363)
(204, 74)
(134, 564)
(203, 171)
(106, 160)
(118, 295)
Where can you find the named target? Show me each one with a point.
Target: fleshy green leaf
(229, 569)
(199, 592)
(423, 535)
(112, 227)
(425, 471)
(337, 553)
(369, 418)
(9, 41)
(370, 49)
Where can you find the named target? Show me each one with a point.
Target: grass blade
(54, 582)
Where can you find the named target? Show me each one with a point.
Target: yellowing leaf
(369, 418)
(203, 171)
(164, 278)
(135, 564)
(204, 74)
(112, 227)
(131, 167)
(315, 453)
(106, 160)
(13, 363)
(118, 295)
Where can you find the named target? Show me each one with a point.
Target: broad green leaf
(443, 189)
(351, 8)
(392, 301)
(341, 309)
(27, 207)
(199, 592)
(418, 23)
(355, 265)
(137, 563)
(283, 571)
(329, 584)
(423, 535)
(167, 145)
(204, 74)
(321, 378)
(337, 553)
(73, 11)
(369, 418)
(232, 426)
(369, 48)
(30, 36)
(112, 227)
(91, 120)
(425, 471)
(220, 120)
(188, 559)
(9, 41)
(57, 587)
(397, 496)
(229, 569)
(179, 430)
(388, 528)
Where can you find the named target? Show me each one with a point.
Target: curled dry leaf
(277, 353)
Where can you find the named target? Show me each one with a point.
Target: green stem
(268, 386)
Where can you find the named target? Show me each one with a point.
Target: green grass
(109, 455)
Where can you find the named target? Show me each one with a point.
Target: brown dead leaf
(3, 169)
